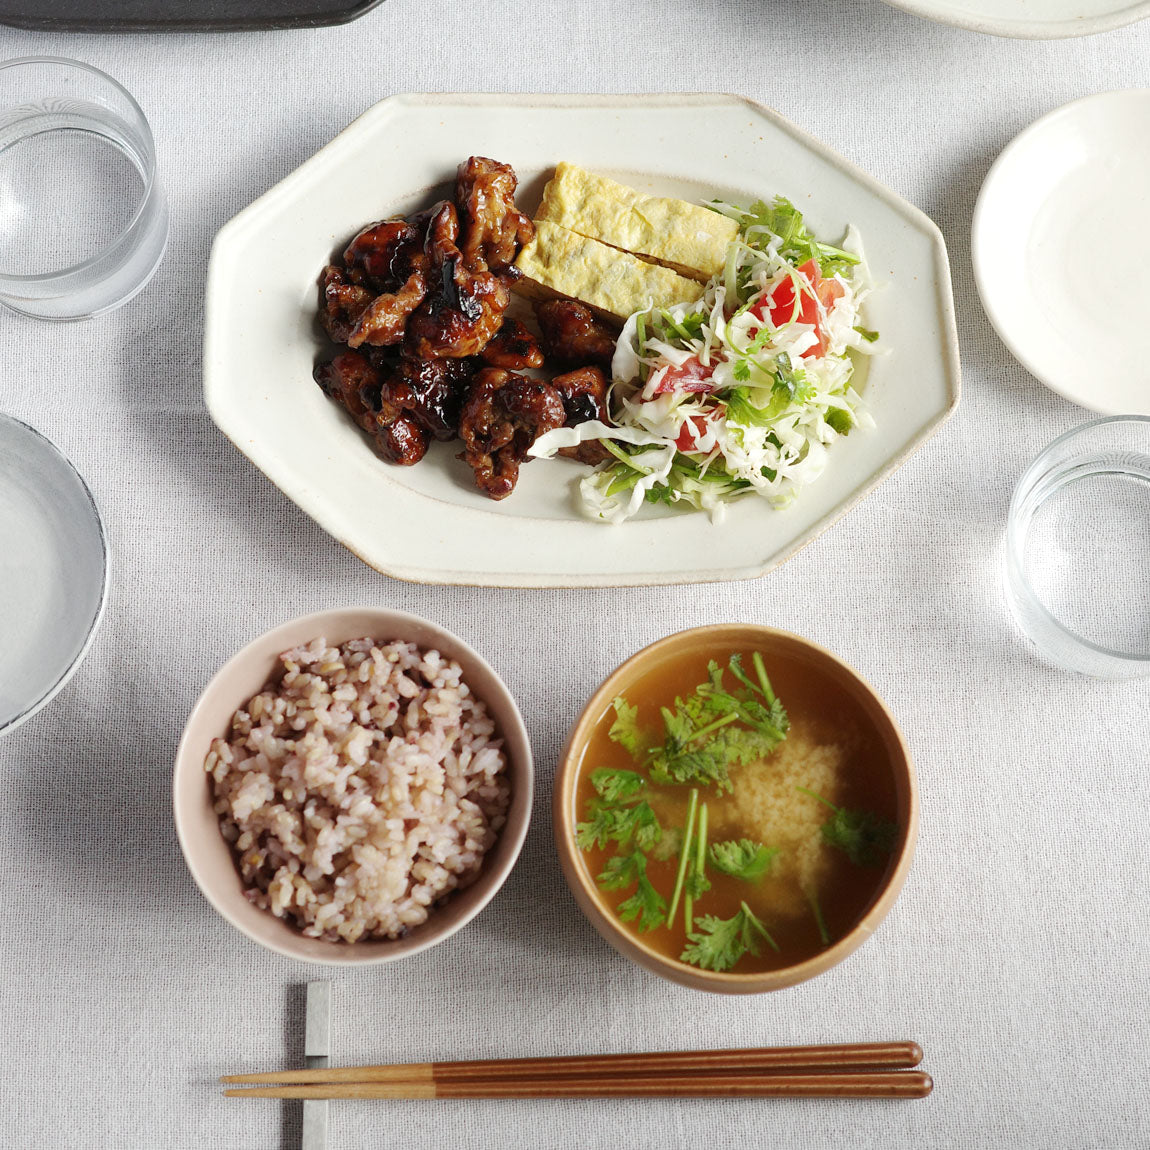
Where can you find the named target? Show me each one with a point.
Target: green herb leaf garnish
(743, 859)
(717, 728)
(614, 822)
(781, 218)
(625, 730)
(616, 785)
(866, 838)
(719, 943)
(863, 836)
(839, 419)
(646, 905)
(621, 871)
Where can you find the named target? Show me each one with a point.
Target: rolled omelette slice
(685, 237)
(558, 262)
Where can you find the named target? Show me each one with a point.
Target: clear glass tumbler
(1078, 549)
(83, 220)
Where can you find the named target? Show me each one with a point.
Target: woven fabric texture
(1017, 953)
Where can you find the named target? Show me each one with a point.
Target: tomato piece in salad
(688, 438)
(786, 305)
(691, 375)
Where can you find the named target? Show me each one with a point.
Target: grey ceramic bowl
(209, 857)
(53, 571)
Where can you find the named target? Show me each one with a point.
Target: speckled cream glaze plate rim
(402, 524)
(963, 15)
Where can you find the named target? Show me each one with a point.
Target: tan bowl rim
(517, 746)
(610, 927)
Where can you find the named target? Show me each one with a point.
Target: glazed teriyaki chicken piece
(465, 302)
(422, 301)
(584, 395)
(352, 381)
(573, 335)
(430, 391)
(503, 416)
(494, 229)
(342, 302)
(382, 280)
(513, 347)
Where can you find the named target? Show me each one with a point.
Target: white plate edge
(985, 192)
(1028, 29)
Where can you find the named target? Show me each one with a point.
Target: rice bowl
(360, 789)
(363, 800)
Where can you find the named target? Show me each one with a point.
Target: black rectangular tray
(178, 15)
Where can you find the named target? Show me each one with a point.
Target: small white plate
(53, 571)
(428, 523)
(1061, 250)
(1027, 20)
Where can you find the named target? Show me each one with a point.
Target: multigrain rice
(359, 788)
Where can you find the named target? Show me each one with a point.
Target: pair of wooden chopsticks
(865, 1070)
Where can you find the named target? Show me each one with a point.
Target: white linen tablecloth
(1017, 954)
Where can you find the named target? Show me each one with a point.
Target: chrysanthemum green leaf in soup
(646, 904)
(864, 837)
(622, 870)
(625, 729)
(617, 785)
(774, 718)
(719, 943)
(743, 858)
(706, 765)
(615, 822)
(717, 728)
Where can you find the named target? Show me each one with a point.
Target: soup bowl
(210, 857)
(838, 724)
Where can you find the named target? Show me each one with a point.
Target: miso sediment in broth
(730, 817)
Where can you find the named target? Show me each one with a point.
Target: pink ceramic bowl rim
(209, 857)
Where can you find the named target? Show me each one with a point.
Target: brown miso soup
(812, 892)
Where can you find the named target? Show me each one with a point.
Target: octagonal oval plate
(428, 523)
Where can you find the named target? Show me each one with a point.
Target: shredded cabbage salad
(741, 392)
